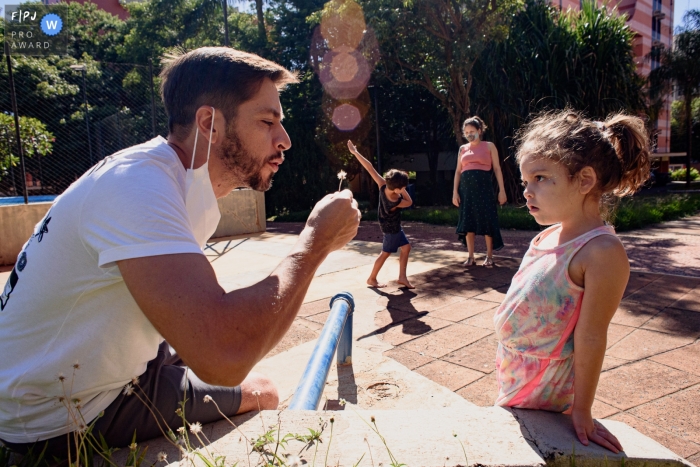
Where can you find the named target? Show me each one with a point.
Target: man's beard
(243, 166)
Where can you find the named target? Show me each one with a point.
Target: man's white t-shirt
(65, 310)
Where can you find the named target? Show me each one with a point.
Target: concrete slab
(372, 381)
(477, 436)
(555, 438)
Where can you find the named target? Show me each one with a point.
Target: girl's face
(471, 133)
(550, 192)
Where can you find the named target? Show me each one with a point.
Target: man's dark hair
(218, 76)
(396, 178)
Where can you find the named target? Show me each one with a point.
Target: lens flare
(343, 24)
(346, 117)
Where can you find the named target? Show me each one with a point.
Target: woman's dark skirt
(477, 207)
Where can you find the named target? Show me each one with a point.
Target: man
(115, 272)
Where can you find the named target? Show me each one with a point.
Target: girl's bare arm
(458, 174)
(606, 269)
(366, 164)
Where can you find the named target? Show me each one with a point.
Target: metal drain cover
(383, 390)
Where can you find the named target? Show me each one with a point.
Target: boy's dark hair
(218, 76)
(617, 149)
(396, 178)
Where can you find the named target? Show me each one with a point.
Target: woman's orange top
(475, 157)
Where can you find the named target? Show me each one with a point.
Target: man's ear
(587, 180)
(203, 120)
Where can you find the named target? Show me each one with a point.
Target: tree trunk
(261, 22)
(689, 129)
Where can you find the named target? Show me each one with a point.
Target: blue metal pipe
(338, 327)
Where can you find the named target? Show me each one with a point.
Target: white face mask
(200, 200)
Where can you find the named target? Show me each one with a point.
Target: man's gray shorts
(166, 382)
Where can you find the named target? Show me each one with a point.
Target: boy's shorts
(392, 242)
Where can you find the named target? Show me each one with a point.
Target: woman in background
(473, 191)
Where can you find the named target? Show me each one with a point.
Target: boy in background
(392, 198)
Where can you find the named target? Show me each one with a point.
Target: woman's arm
(458, 174)
(499, 176)
(605, 269)
(366, 164)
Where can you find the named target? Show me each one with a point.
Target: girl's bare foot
(374, 283)
(404, 281)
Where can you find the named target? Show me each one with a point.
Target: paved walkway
(443, 330)
(668, 248)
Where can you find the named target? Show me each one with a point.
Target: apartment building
(652, 22)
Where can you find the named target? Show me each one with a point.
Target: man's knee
(258, 391)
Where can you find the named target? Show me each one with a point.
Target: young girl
(572, 168)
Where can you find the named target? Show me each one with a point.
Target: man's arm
(220, 335)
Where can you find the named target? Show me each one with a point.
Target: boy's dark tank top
(388, 214)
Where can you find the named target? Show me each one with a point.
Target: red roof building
(111, 6)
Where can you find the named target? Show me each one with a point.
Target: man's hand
(589, 429)
(333, 222)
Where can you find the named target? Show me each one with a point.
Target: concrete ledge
(491, 436)
(242, 212)
(17, 223)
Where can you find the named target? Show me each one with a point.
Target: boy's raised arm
(366, 164)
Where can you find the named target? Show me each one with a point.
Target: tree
(436, 43)
(553, 60)
(679, 139)
(680, 66)
(36, 141)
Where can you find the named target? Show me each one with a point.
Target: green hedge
(632, 213)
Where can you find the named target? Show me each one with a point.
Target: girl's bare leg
(403, 263)
(372, 281)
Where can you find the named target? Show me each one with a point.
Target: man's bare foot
(375, 283)
(404, 281)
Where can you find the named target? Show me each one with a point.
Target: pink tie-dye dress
(535, 326)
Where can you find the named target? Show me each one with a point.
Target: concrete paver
(480, 356)
(671, 413)
(448, 374)
(642, 343)
(639, 382)
(680, 446)
(685, 358)
(482, 392)
(446, 340)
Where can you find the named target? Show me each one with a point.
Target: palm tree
(681, 66)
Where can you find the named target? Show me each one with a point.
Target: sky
(680, 7)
